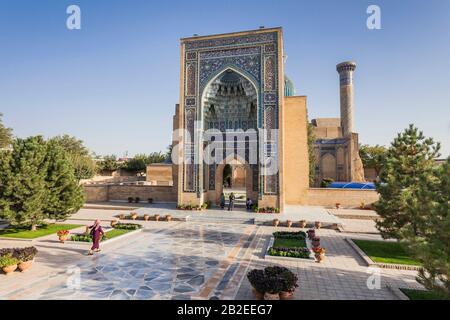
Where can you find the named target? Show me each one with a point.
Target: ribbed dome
(289, 89)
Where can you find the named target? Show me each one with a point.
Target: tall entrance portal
(229, 107)
(230, 114)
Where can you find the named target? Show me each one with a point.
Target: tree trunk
(33, 227)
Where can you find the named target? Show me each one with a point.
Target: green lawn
(43, 230)
(421, 295)
(289, 243)
(386, 252)
(115, 233)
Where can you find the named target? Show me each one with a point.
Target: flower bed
(267, 210)
(191, 207)
(127, 226)
(290, 245)
(118, 230)
(302, 253)
(107, 236)
(290, 235)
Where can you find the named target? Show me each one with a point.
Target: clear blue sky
(115, 82)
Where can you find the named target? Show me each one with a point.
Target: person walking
(96, 234)
(231, 202)
(222, 201)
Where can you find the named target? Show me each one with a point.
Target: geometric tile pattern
(253, 55)
(175, 263)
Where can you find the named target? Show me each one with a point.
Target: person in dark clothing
(96, 234)
(222, 201)
(249, 204)
(231, 199)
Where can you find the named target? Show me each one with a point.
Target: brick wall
(118, 192)
(348, 198)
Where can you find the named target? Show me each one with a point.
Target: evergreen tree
(432, 248)
(405, 184)
(5, 135)
(64, 195)
(23, 182)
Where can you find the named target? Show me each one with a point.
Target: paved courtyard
(191, 260)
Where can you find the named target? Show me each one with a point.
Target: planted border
(289, 245)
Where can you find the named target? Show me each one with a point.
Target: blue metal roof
(352, 185)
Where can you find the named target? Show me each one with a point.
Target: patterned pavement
(195, 260)
(172, 263)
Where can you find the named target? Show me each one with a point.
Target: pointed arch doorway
(229, 103)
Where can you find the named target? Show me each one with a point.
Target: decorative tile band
(231, 41)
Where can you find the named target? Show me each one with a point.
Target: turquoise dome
(289, 89)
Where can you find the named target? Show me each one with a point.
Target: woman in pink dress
(96, 233)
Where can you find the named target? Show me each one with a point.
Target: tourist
(231, 202)
(96, 234)
(249, 204)
(222, 201)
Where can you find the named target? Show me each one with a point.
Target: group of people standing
(231, 200)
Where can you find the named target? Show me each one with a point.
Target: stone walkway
(342, 275)
(178, 261)
(191, 260)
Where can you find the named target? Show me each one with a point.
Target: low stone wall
(348, 198)
(102, 193)
(96, 193)
(112, 179)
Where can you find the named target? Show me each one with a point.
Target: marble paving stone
(172, 264)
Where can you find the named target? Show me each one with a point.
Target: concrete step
(235, 220)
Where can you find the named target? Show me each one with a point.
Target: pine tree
(23, 182)
(405, 185)
(64, 195)
(5, 134)
(432, 248)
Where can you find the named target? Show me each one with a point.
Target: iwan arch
(236, 82)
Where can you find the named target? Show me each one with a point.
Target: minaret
(345, 70)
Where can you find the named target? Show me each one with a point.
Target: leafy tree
(82, 162)
(373, 156)
(432, 248)
(5, 134)
(71, 144)
(109, 163)
(156, 157)
(23, 182)
(140, 161)
(64, 194)
(168, 155)
(405, 185)
(326, 182)
(84, 166)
